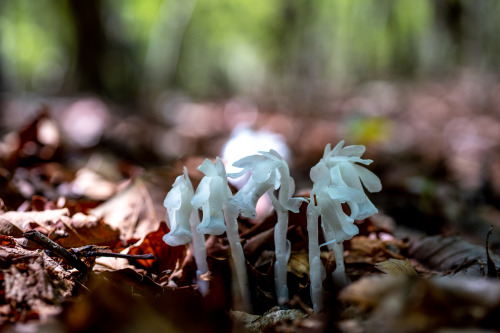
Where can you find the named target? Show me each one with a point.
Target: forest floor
(80, 180)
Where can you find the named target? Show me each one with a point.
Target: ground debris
(388, 303)
(33, 286)
(272, 318)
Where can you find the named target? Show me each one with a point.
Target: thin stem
(339, 275)
(282, 255)
(238, 257)
(316, 269)
(200, 253)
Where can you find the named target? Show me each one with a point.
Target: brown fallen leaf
(83, 229)
(364, 249)
(451, 254)
(298, 265)
(25, 220)
(397, 267)
(68, 231)
(167, 257)
(137, 209)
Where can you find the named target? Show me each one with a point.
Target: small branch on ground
(45, 242)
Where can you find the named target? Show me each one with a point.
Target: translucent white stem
(339, 275)
(282, 255)
(239, 264)
(316, 269)
(199, 252)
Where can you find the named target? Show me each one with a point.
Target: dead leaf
(167, 257)
(25, 220)
(133, 210)
(83, 230)
(372, 250)
(396, 267)
(298, 264)
(74, 231)
(451, 254)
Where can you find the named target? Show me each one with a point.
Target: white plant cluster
(337, 179)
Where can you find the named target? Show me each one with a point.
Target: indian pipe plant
(338, 178)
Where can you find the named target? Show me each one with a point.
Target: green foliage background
(212, 48)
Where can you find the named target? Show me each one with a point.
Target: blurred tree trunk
(91, 41)
(104, 65)
(450, 15)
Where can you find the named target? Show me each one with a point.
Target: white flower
(211, 196)
(344, 172)
(337, 225)
(269, 171)
(178, 204)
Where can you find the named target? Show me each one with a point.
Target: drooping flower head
(269, 171)
(178, 204)
(345, 172)
(211, 195)
(337, 180)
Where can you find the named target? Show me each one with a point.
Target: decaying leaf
(371, 250)
(298, 264)
(397, 267)
(27, 220)
(451, 254)
(83, 230)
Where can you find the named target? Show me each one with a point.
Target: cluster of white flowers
(337, 180)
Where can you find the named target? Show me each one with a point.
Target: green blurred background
(293, 50)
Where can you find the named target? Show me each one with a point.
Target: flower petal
(350, 176)
(178, 237)
(202, 192)
(369, 179)
(366, 209)
(344, 193)
(354, 150)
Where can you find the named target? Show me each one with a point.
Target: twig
(45, 242)
(148, 256)
(492, 270)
